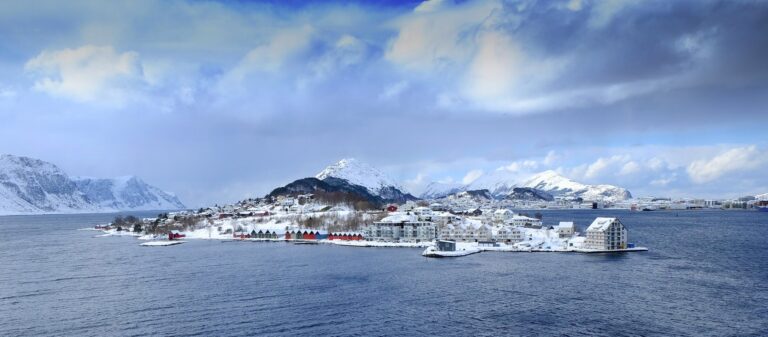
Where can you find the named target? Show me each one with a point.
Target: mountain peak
(359, 173)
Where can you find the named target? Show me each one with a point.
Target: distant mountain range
(542, 186)
(359, 181)
(33, 186)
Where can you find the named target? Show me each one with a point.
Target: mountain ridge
(543, 185)
(33, 186)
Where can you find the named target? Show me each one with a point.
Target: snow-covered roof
(399, 217)
(565, 224)
(523, 217)
(601, 224)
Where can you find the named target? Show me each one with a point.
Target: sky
(223, 100)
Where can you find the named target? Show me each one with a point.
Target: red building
(174, 235)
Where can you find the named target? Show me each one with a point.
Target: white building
(467, 231)
(566, 229)
(502, 214)
(523, 221)
(508, 234)
(401, 227)
(606, 234)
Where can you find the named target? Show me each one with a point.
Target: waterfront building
(566, 229)
(606, 234)
(401, 227)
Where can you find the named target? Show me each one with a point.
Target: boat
(762, 208)
(434, 252)
(447, 248)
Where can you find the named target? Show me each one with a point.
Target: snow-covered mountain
(359, 173)
(502, 184)
(436, 190)
(29, 186)
(762, 196)
(128, 192)
(557, 185)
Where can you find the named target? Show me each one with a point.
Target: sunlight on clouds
(734, 160)
(88, 74)
(272, 55)
(437, 35)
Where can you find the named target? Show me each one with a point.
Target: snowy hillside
(555, 184)
(359, 173)
(29, 186)
(762, 196)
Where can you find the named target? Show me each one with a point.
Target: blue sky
(218, 101)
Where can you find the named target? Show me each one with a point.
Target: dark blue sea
(706, 274)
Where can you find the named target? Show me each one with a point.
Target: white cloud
(734, 160)
(471, 176)
(551, 158)
(604, 11)
(603, 166)
(630, 168)
(394, 90)
(346, 51)
(272, 55)
(521, 165)
(664, 181)
(436, 35)
(88, 74)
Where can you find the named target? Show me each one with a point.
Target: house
(400, 226)
(391, 208)
(606, 234)
(437, 207)
(475, 212)
(446, 246)
(523, 221)
(466, 231)
(175, 235)
(261, 234)
(508, 234)
(346, 236)
(566, 229)
(502, 214)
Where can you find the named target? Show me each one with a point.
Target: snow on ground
(114, 232)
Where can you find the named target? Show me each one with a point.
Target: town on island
(441, 231)
(351, 203)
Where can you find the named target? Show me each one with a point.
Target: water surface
(706, 274)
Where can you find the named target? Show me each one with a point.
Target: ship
(762, 205)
